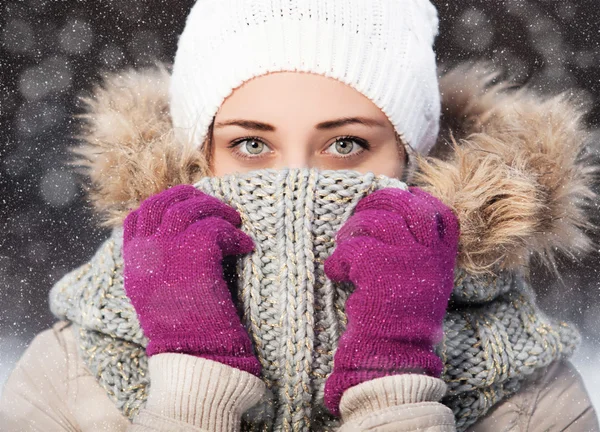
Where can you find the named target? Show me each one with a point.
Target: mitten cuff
(201, 392)
(405, 360)
(379, 394)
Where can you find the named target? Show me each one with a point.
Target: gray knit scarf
(495, 336)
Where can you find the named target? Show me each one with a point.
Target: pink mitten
(173, 246)
(399, 250)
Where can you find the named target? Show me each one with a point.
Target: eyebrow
(331, 124)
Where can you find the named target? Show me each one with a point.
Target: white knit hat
(382, 48)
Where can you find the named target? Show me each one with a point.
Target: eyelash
(364, 144)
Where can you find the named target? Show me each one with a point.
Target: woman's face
(298, 120)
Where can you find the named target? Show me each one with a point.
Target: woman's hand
(173, 246)
(399, 250)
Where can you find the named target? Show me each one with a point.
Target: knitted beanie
(381, 48)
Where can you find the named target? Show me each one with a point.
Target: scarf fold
(495, 335)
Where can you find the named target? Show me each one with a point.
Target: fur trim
(510, 165)
(517, 180)
(130, 151)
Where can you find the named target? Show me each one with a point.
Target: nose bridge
(296, 153)
(296, 162)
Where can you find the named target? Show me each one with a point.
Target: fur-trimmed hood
(509, 162)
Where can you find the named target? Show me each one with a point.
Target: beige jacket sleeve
(397, 403)
(50, 389)
(555, 400)
(190, 393)
(37, 393)
(552, 400)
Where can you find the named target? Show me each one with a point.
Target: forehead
(296, 94)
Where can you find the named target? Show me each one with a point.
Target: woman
(150, 338)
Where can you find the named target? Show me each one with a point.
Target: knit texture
(399, 251)
(381, 48)
(173, 247)
(494, 334)
(214, 401)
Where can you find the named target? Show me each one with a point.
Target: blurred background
(51, 52)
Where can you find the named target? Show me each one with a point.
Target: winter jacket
(498, 166)
(51, 390)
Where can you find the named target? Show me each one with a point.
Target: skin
(291, 119)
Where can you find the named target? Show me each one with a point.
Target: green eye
(249, 148)
(344, 146)
(348, 146)
(253, 146)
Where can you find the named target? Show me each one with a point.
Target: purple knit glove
(399, 250)
(173, 246)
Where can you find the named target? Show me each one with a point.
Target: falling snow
(52, 52)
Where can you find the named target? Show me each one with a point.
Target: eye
(348, 146)
(248, 147)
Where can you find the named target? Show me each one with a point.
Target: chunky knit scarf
(495, 336)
